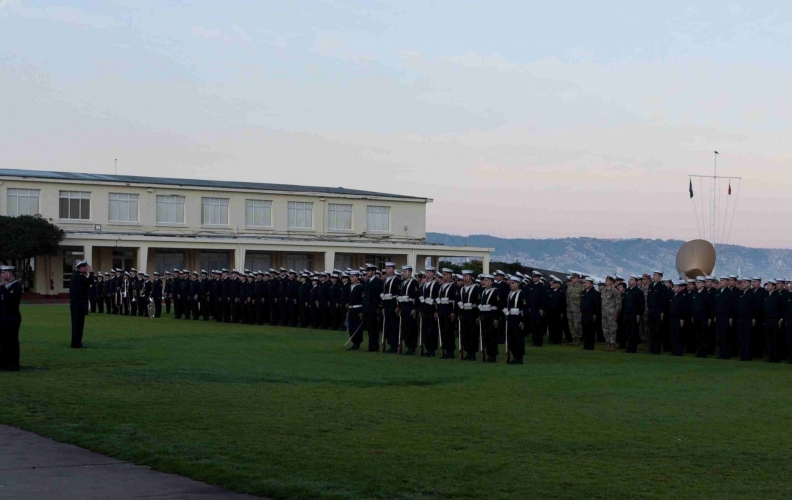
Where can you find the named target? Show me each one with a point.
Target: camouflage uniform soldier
(574, 290)
(611, 306)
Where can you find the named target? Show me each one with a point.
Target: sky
(519, 119)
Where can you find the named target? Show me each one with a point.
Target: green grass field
(290, 414)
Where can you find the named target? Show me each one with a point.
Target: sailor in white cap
(408, 305)
(390, 292)
(678, 313)
(446, 312)
(555, 309)
(773, 319)
(657, 299)
(590, 306)
(537, 304)
(489, 314)
(10, 318)
(467, 311)
(633, 312)
(372, 298)
(514, 311)
(81, 280)
(428, 337)
(355, 314)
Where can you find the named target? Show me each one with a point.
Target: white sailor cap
(407, 268)
(723, 278)
(657, 272)
(397, 273)
(732, 276)
(174, 270)
(7, 268)
(518, 273)
(447, 270)
(537, 273)
(430, 268)
(500, 273)
(781, 280)
(679, 283)
(486, 277)
(354, 273)
(635, 277)
(195, 273)
(390, 264)
(589, 278)
(133, 270)
(701, 278)
(511, 277)
(756, 278)
(467, 271)
(458, 276)
(600, 283)
(81, 264)
(203, 271)
(691, 281)
(556, 279)
(711, 278)
(618, 277)
(156, 273)
(773, 282)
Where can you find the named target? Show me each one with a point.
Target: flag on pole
(716, 153)
(730, 188)
(691, 188)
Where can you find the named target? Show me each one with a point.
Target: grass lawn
(290, 414)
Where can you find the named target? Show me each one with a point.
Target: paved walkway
(32, 466)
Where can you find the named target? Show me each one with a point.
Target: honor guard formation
(454, 315)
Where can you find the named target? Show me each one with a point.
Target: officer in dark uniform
(700, 313)
(10, 319)
(758, 333)
(109, 289)
(355, 314)
(489, 313)
(333, 294)
(167, 286)
(447, 298)
(283, 298)
(100, 292)
(677, 312)
(633, 310)
(656, 302)
(515, 312)
(273, 290)
(724, 317)
(80, 281)
(157, 291)
(590, 306)
(773, 314)
(430, 292)
(408, 310)
(745, 318)
(390, 291)
(372, 297)
(467, 309)
(555, 308)
(176, 294)
(537, 297)
(343, 299)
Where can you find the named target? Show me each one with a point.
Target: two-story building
(158, 224)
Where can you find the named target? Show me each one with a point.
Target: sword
(459, 324)
(382, 335)
(400, 332)
(353, 335)
(420, 334)
(440, 337)
(481, 342)
(508, 353)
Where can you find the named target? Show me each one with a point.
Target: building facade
(158, 224)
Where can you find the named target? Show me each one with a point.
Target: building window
(75, 205)
(340, 216)
(214, 211)
(377, 218)
(214, 260)
(170, 209)
(299, 261)
(258, 213)
(23, 202)
(70, 260)
(343, 261)
(300, 215)
(168, 261)
(258, 261)
(123, 207)
(378, 260)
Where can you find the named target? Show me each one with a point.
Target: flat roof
(164, 181)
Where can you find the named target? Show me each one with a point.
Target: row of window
(76, 205)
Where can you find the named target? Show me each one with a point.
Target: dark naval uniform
(78, 303)
(355, 316)
(745, 323)
(408, 306)
(590, 307)
(515, 311)
(489, 311)
(554, 312)
(469, 299)
(390, 291)
(656, 302)
(157, 291)
(428, 324)
(633, 306)
(371, 302)
(446, 304)
(773, 312)
(10, 321)
(537, 305)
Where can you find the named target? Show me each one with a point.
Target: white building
(158, 224)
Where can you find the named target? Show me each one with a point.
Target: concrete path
(32, 466)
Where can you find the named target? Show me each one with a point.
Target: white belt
(467, 306)
(386, 296)
(515, 311)
(404, 298)
(444, 300)
(429, 301)
(421, 299)
(485, 308)
(355, 307)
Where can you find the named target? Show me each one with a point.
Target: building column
(142, 258)
(485, 262)
(88, 254)
(412, 260)
(239, 258)
(329, 263)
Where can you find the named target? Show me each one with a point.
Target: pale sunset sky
(520, 119)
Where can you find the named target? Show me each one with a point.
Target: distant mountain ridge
(631, 256)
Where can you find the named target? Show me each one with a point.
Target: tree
(25, 237)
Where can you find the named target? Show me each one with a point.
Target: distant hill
(603, 256)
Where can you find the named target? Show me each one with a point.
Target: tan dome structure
(696, 258)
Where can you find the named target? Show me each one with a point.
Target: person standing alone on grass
(81, 280)
(10, 319)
